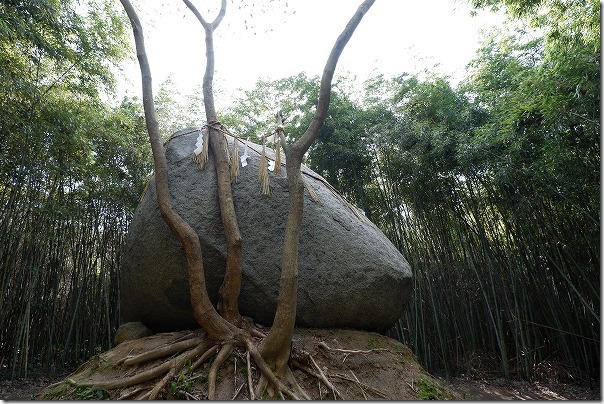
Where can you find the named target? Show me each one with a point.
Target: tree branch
(214, 24)
(208, 78)
(230, 289)
(302, 145)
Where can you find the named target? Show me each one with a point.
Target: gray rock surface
(350, 274)
(131, 330)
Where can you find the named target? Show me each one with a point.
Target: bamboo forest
(489, 187)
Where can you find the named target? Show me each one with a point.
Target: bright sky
(395, 36)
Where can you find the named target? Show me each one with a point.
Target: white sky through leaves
(285, 37)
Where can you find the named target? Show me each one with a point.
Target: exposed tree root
(238, 391)
(204, 358)
(182, 358)
(160, 385)
(187, 351)
(160, 352)
(350, 351)
(292, 380)
(131, 394)
(246, 324)
(319, 375)
(267, 375)
(250, 385)
(222, 355)
(361, 385)
(148, 374)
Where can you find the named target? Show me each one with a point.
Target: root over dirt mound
(328, 364)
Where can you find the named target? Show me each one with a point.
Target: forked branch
(309, 136)
(231, 286)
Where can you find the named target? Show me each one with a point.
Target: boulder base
(350, 274)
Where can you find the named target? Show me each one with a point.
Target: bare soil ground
(360, 365)
(500, 389)
(24, 389)
(468, 389)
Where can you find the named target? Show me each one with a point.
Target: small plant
(372, 342)
(429, 391)
(91, 393)
(180, 386)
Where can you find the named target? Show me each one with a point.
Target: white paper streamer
(245, 156)
(271, 165)
(199, 144)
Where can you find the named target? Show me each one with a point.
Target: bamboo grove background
(490, 188)
(72, 168)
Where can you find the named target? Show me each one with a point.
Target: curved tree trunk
(213, 324)
(276, 347)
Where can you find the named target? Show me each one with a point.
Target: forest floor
(389, 368)
(500, 389)
(469, 389)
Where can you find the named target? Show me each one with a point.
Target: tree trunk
(205, 314)
(231, 286)
(276, 347)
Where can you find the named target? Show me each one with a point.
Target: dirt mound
(357, 365)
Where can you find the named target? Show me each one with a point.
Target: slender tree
(278, 342)
(231, 286)
(215, 326)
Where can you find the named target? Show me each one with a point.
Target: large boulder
(350, 274)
